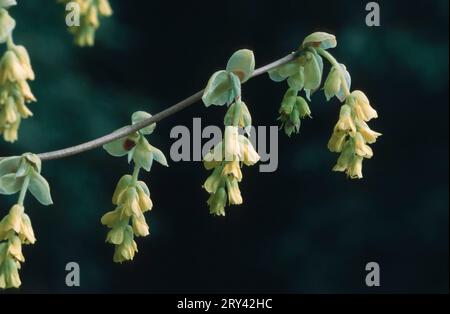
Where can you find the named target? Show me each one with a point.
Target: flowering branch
(123, 132)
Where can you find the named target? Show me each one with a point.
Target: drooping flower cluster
(90, 12)
(228, 156)
(131, 197)
(303, 73)
(351, 134)
(15, 230)
(15, 72)
(226, 160)
(18, 174)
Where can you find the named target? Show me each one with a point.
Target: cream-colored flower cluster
(131, 197)
(235, 150)
(15, 72)
(351, 135)
(18, 175)
(15, 230)
(90, 13)
(226, 160)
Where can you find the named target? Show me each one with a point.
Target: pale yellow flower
(361, 149)
(345, 122)
(233, 168)
(234, 193)
(369, 135)
(362, 107)
(11, 70)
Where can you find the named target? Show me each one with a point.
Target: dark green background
(301, 229)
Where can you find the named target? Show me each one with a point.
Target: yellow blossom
(363, 109)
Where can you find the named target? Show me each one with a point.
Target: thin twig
(123, 132)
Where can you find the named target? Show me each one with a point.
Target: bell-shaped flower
(214, 181)
(361, 148)
(145, 202)
(337, 141)
(248, 156)
(110, 219)
(345, 122)
(232, 168)
(15, 248)
(11, 70)
(234, 193)
(127, 249)
(217, 202)
(24, 60)
(369, 135)
(26, 233)
(245, 119)
(338, 83)
(9, 271)
(214, 157)
(362, 107)
(354, 170)
(140, 226)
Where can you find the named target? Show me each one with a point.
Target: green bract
(313, 72)
(320, 39)
(136, 145)
(140, 116)
(242, 63)
(225, 86)
(15, 171)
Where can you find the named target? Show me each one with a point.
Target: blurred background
(302, 229)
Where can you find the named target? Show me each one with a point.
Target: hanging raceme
(227, 157)
(351, 133)
(15, 72)
(90, 12)
(18, 175)
(131, 197)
